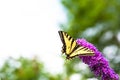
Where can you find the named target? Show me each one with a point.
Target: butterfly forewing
(68, 42)
(70, 45)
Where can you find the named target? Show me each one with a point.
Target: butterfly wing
(81, 51)
(71, 48)
(68, 42)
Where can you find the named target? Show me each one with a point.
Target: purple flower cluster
(97, 63)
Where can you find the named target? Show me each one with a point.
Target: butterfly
(71, 48)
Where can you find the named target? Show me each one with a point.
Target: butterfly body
(71, 48)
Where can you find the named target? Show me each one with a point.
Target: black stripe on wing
(67, 36)
(70, 40)
(63, 41)
(77, 46)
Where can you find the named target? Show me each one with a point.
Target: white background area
(29, 28)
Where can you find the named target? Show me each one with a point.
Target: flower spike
(97, 63)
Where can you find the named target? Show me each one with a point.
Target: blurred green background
(98, 21)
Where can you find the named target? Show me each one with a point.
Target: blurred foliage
(25, 69)
(98, 21)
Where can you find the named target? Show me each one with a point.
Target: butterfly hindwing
(71, 48)
(82, 51)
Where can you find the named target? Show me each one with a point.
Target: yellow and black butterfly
(71, 48)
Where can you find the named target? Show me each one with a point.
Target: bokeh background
(30, 47)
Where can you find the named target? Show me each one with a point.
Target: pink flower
(97, 63)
